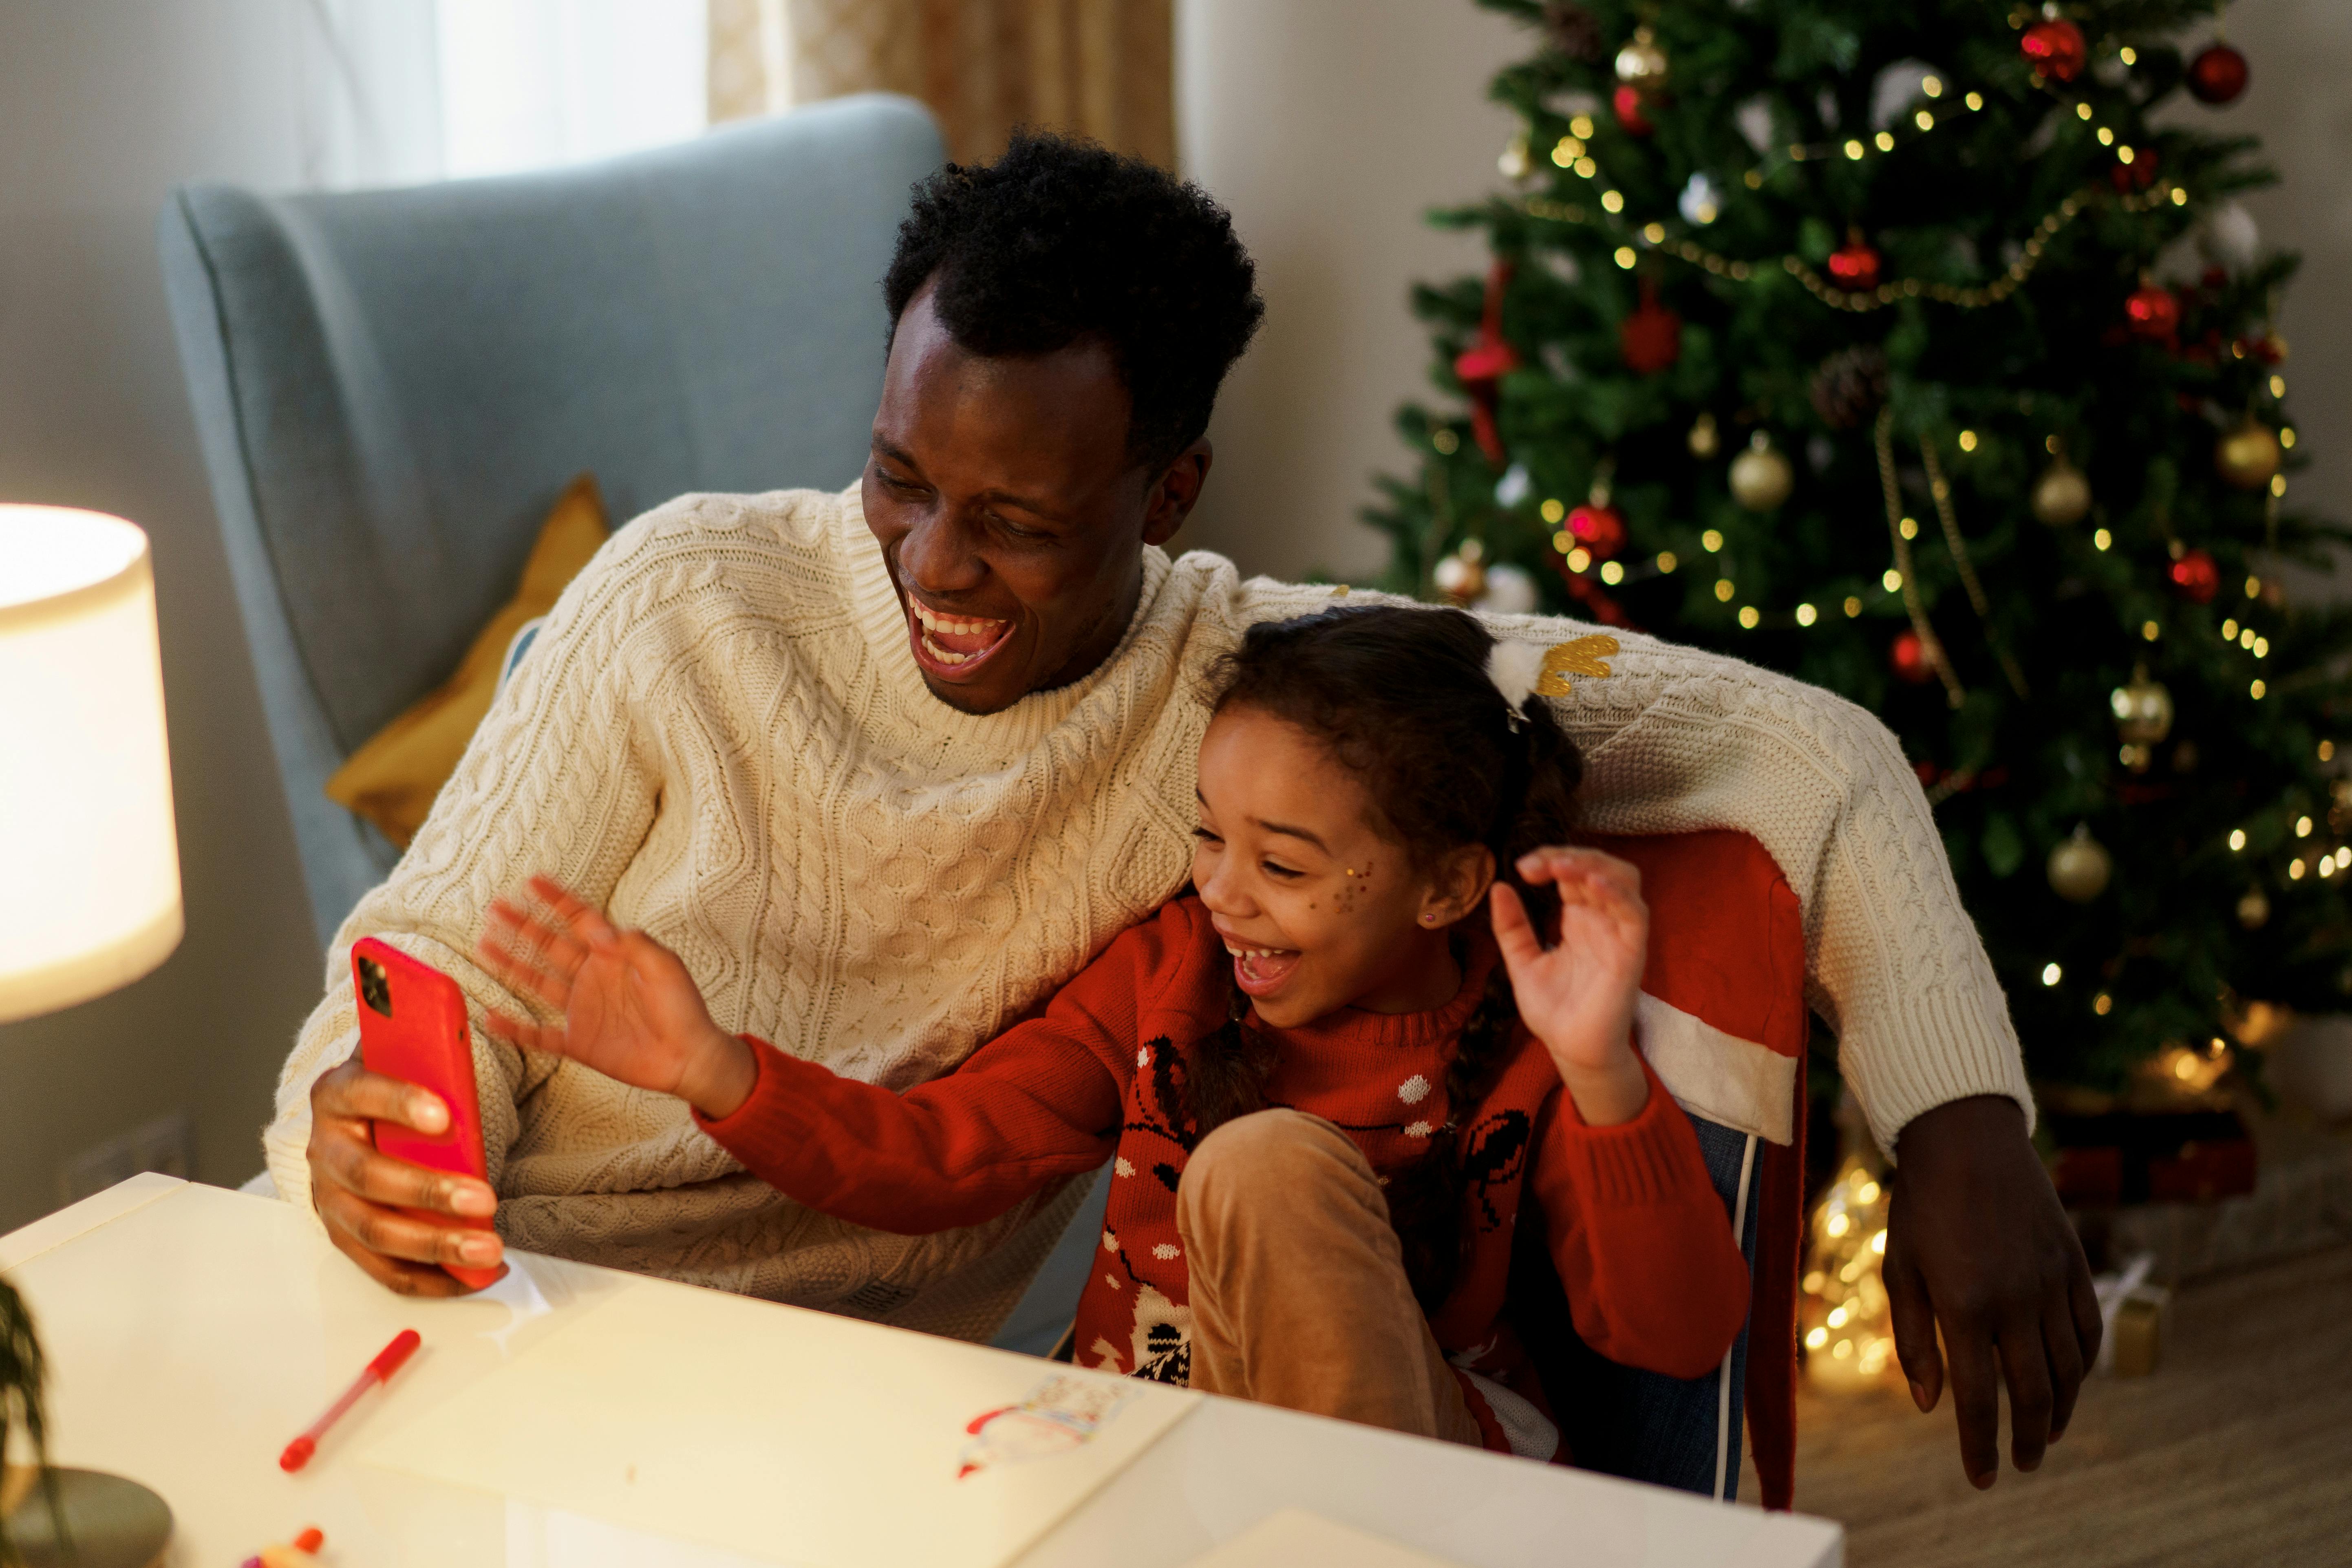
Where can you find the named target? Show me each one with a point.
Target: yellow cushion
(391, 778)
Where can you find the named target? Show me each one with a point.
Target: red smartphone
(413, 1027)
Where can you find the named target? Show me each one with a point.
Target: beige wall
(103, 104)
(2301, 51)
(1328, 126)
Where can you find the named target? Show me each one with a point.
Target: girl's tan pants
(1299, 1287)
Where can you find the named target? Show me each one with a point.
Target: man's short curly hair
(1062, 239)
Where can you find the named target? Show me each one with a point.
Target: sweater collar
(883, 620)
(1437, 1027)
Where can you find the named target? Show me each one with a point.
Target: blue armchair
(392, 386)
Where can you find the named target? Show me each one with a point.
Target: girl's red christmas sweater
(1635, 1228)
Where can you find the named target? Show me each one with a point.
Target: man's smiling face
(1011, 512)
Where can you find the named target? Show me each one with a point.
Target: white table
(191, 1331)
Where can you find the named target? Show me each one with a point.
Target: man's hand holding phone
(361, 1192)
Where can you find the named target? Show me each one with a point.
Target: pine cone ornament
(1573, 30)
(1849, 386)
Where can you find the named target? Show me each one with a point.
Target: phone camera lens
(376, 990)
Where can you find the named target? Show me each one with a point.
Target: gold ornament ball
(2143, 710)
(1641, 63)
(1704, 441)
(2061, 495)
(1462, 576)
(2247, 456)
(1761, 478)
(2079, 868)
(2254, 910)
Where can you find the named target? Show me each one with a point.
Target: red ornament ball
(1855, 265)
(2154, 312)
(1650, 339)
(2218, 75)
(1599, 529)
(2196, 578)
(2055, 49)
(1909, 658)
(1628, 103)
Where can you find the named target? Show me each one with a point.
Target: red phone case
(423, 1039)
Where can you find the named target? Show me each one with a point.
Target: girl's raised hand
(1577, 996)
(630, 1009)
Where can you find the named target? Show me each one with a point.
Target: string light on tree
(1843, 1319)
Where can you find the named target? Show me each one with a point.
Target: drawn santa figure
(1057, 1415)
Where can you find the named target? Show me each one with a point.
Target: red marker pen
(387, 1361)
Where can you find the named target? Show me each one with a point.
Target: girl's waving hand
(1577, 996)
(630, 1010)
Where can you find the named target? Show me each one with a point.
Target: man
(884, 768)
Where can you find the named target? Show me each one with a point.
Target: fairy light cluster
(1844, 1295)
(1572, 153)
(1844, 1317)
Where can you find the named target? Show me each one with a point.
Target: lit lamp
(89, 899)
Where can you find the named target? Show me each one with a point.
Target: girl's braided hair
(1401, 698)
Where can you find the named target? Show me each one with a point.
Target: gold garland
(1654, 237)
(1941, 489)
(1929, 643)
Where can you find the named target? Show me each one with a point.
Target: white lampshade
(90, 865)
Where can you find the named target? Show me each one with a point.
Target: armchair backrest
(1723, 1021)
(393, 386)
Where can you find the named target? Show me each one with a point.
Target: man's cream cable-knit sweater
(722, 738)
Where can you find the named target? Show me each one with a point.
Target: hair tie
(1520, 670)
(1515, 668)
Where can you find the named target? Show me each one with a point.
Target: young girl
(1329, 1093)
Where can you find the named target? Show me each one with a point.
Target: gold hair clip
(1583, 656)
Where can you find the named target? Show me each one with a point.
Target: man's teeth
(1257, 951)
(952, 626)
(945, 655)
(931, 625)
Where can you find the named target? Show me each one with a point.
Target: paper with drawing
(835, 1443)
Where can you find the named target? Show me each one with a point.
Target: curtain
(1102, 69)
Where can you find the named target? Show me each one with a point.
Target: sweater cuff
(1651, 1159)
(1952, 1047)
(772, 1112)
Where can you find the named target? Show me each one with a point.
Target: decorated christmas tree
(1907, 347)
